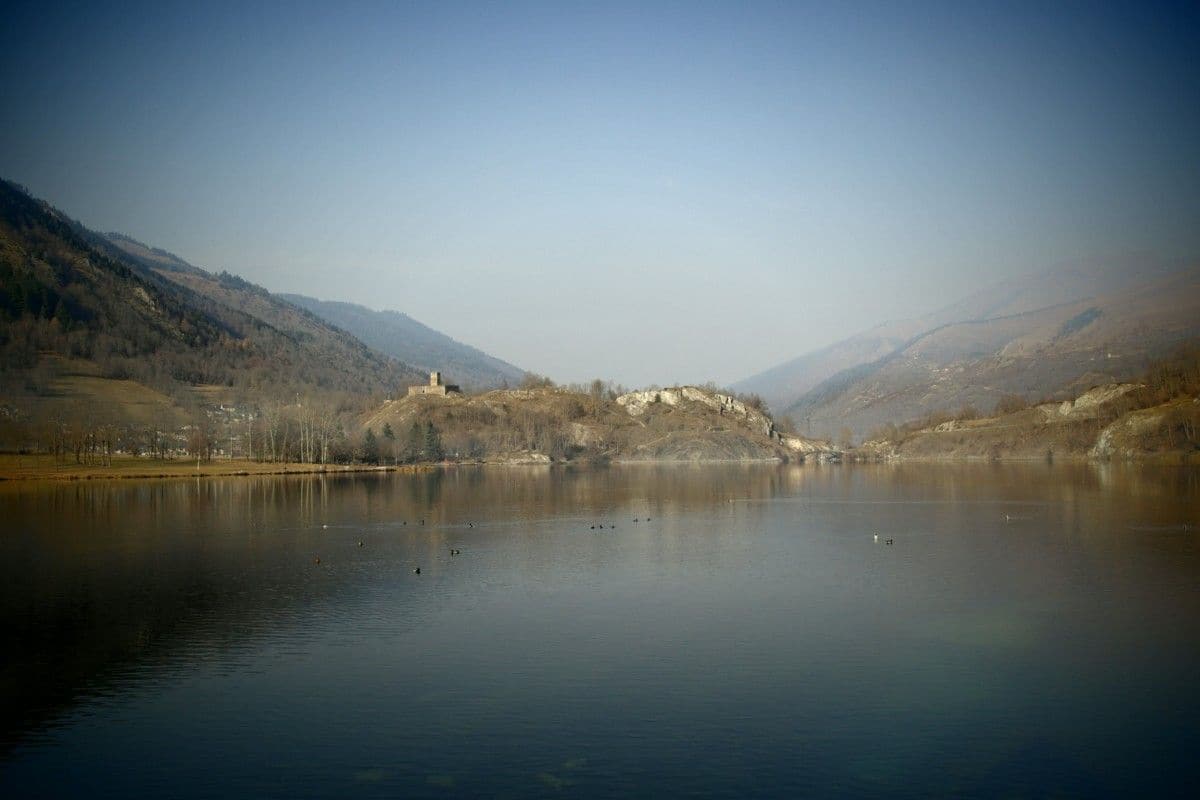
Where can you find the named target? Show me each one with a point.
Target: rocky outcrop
(637, 403)
(1127, 437)
(521, 458)
(730, 408)
(1088, 404)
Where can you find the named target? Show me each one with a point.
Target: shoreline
(26, 468)
(18, 468)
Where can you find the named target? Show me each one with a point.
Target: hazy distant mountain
(401, 336)
(783, 386)
(91, 308)
(1059, 349)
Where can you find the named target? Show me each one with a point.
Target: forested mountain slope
(74, 296)
(414, 343)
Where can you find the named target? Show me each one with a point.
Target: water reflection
(750, 621)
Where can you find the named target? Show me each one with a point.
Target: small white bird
(877, 537)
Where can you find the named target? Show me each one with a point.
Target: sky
(649, 193)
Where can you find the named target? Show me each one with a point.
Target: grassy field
(72, 388)
(44, 467)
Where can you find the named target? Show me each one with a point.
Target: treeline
(420, 443)
(312, 432)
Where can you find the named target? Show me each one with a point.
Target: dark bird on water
(454, 552)
(316, 561)
(890, 541)
(360, 542)
(417, 571)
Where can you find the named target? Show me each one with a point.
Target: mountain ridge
(109, 314)
(1052, 350)
(399, 335)
(784, 385)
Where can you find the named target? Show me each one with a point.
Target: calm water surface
(1032, 632)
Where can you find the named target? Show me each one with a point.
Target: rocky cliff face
(637, 403)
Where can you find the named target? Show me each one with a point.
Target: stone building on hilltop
(435, 386)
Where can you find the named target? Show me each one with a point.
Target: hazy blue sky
(647, 192)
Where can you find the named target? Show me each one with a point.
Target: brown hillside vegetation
(1155, 418)
(1038, 296)
(1058, 351)
(547, 424)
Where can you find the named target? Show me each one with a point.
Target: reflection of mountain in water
(110, 584)
(106, 583)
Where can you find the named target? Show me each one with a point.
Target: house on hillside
(435, 386)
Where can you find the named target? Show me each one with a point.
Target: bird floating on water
(417, 571)
(891, 541)
(877, 537)
(316, 560)
(360, 542)
(454, 551)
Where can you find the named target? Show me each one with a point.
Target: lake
(730, 631)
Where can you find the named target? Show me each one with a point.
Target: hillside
(1053, 351)
(551, 424)
(402, 337)
(80, 309)
(147, 256)
(783, 386)
(1156, 418)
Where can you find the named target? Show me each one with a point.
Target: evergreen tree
(433, 443)
(389, 449)
(415, 444)
(370, 451)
